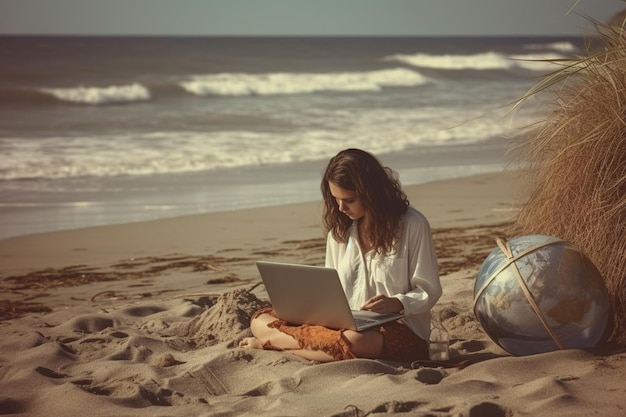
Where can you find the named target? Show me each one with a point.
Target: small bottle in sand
(439, 342)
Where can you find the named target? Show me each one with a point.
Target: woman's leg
(263, 334)
(367, 344)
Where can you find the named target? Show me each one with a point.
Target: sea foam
(234, 84)
(565, 47)
(168, 152)
(101, 95)
(478, 62)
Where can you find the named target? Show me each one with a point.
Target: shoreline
(56, 205)
(222, 231)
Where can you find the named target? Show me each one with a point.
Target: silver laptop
(303, 294)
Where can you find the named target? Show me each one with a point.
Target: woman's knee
(259, 325)
(261, 330)
(367, 344)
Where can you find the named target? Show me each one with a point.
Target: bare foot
(251, 343)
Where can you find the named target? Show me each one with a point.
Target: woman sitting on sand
(384, 253)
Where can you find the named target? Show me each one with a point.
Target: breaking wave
(564, 47)
(101, 95)
(480, 62)
(230, 84)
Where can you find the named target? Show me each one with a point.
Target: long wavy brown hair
(378, 189)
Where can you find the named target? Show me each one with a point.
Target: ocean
(108, 130)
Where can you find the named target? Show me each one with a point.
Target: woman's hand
(383, 305)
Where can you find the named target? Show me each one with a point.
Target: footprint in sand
(488, 409)
(429, 376)
(11, 406)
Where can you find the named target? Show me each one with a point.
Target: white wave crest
(230, 84)
(564, 47)
(479, 62)
(101, 95)
(484, 61)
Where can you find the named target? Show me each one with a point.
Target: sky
(304, 17)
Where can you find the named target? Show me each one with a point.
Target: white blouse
(410, 273)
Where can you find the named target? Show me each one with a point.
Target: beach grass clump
(574, 162)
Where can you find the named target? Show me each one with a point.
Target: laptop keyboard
(363, 322)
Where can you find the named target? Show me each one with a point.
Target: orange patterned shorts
(400, 344)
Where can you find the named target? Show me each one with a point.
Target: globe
(537, 293)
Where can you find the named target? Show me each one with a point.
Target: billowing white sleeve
(425, 286)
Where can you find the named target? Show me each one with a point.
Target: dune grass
(574, 162)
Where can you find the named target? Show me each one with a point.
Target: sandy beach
(143, 319)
